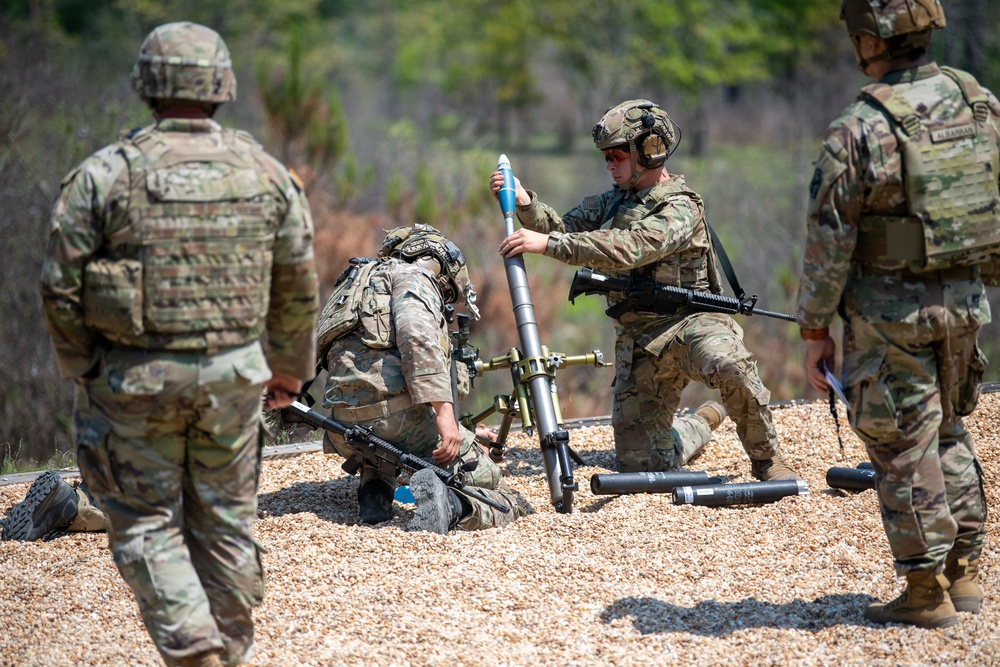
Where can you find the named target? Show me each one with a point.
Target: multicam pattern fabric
(184, 61)
(167, 426)
(912, 367)
(91, 225)
(706, 348)
(661, 231)
(169, 447)
(418, 363)
(891, 18)
(623, 123)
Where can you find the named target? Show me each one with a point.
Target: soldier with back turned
(178, 283)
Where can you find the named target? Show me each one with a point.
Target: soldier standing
(651, 224)
(383, 339)
(903, 205)
(170, 253)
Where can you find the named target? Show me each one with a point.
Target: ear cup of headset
(652, 151)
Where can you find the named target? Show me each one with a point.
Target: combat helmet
(643, 129)
(425, 246)
(184, 61)
(905, 24)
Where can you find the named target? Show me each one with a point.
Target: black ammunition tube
(865, 465)
(851, 479)
(747, 493)
(647, 482)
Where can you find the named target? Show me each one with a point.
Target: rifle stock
(373, 450)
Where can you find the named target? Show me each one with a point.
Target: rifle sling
(727, 266)
(614, 209)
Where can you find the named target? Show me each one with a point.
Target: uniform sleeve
(294, 305)
(421, 336)
(661, 232)
(76, 233)
(835, 205)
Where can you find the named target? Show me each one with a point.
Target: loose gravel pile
(627, 580)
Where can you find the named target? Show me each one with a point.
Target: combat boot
(89, 518)
(965, 593)
(713, 413)
(50, 506)
(438, 507)
(773, 470)
(204, 659)
(375, 501)
(925, 603)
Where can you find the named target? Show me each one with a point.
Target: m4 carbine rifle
(372, 450)
(647, 295)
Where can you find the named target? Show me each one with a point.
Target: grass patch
(12, 462)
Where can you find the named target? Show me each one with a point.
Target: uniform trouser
(168, 444)
(414, 431)
(707, 348)
(908, 386)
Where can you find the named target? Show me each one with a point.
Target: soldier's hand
(819, 357)
(451, 438)
(282, 390)
(524, 240)
(521, 195)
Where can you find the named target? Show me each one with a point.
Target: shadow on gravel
(524, 462)
(334, 500)
(710, 618)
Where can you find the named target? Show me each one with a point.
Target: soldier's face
(618, 163)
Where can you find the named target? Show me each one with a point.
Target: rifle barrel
(776, 315)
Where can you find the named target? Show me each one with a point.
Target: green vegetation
(14, 462)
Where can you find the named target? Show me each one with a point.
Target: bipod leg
(576, 457)
(558, 440)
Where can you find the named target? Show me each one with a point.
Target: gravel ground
(628, 580)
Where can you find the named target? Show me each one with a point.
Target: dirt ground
(623, 580)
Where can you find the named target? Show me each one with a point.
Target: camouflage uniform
(912, 366)
(170, 253)
(661, 232)
(388, 383)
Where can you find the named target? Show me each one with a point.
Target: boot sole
(52, 510)
(943, 622)
(968, 605)
(433, 513)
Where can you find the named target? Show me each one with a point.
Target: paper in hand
(834, 383)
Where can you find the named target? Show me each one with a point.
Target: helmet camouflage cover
(421, 242)
(184, 61)
(891, 18)
(626, 123)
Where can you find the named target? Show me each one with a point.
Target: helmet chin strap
(865, 63)
(637, 171)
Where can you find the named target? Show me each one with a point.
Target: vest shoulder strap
(883, 95)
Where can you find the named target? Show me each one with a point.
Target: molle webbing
(688, 267)
(340, 315)
(201, 217)
(950, 170)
